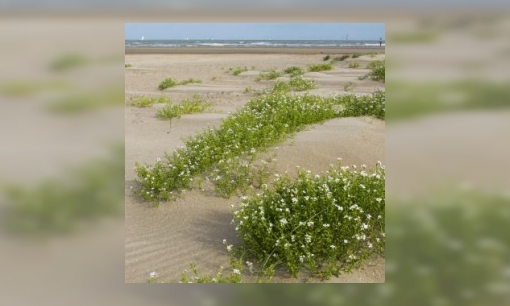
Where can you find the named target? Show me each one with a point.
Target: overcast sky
(290, 31)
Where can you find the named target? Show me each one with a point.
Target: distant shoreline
(250, 50)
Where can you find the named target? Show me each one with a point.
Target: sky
(276, 31)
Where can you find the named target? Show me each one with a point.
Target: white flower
(310, 223)
(362, 186)
(332, 246)
(364, 226)
(346, 241)
(378, 200)
(308, 238)
(229, 248)
(153, 275)
(326, 225)
(369, 245)
(301, 258)
(235, 271)
(369, 216)
(224, 241)
(284, 221)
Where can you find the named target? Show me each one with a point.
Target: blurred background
(62, 158)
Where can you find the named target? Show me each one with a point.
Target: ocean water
(134, 43)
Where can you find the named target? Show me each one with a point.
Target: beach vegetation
(294, 71)
(354, 65)
(68, 61)
(349, 86)
(238, 70)
(341, 58)
(378, 72)
(326, 224)
(128, 65)
(189, 81)
(356, 55)
(320, 67)
(326, 58)
(167, 83)
(269, 75)
(147, 101)
(261, 123)
(299, 84)
(191, 105)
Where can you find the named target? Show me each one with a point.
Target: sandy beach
(168, 238)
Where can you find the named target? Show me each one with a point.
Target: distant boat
(143, 38)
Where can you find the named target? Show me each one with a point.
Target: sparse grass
(326, 58)
(128, 65)
(190, 81)
(238, 70)
(27, 88)
(340, 58)
(170, 82)
(356, 55)
(167, 83)
(281, 87)
(269, 75)
(374, 105)
(378, 72)
(147, 101)
(320, 67)
(354, 65)
(294, 71)
(349, 86)
(188, 106)
(264, 121)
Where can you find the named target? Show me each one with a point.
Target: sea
(134, 43)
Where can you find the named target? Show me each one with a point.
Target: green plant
(187, 106)
(340, 58)
(326, 224)
(325, 58)
(262, 122)
(238, 70)
(189, 81)
(167, 83)
(373, 105)
(127, 65)
(147, 101)
(349, 86)
(281, 86)
(354, 65)
(300, 84)
(269, 75)
(294, 71)
(320, 67)
(378, 72)
(356, 55)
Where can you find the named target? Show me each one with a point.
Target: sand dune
(191, 229)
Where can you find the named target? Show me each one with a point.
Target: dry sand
(168, 238)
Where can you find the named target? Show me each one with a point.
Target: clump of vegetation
(167, 83)
(326, 58)
(374, 105)
(127, 65)
(188, 106)
(294, 71)
(320, 67)
(170, 82)
(238, 70)
(147, 101)
(325, 224)
(349, 86)
(269, 75)
(378, 72)
(356, 55)
(262, 122)
(190, 81)
(341, 58)
(281, 87)
(300, 84)
(354, 65)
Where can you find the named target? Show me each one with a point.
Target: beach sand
(168, 238)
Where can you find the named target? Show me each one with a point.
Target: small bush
(238, 70)
(356, 55)
(320, 67)
(353, 65)
(269, 75)
(188, 106)
(294, 71)
(167, 83)
(340, 58)
(326, 58)
(190, 81)
(326, 224)
(281, 87)
(127, 65)
(373, 105)
(300, 84)
(145, 101)
(378, 72)
(349, 86)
